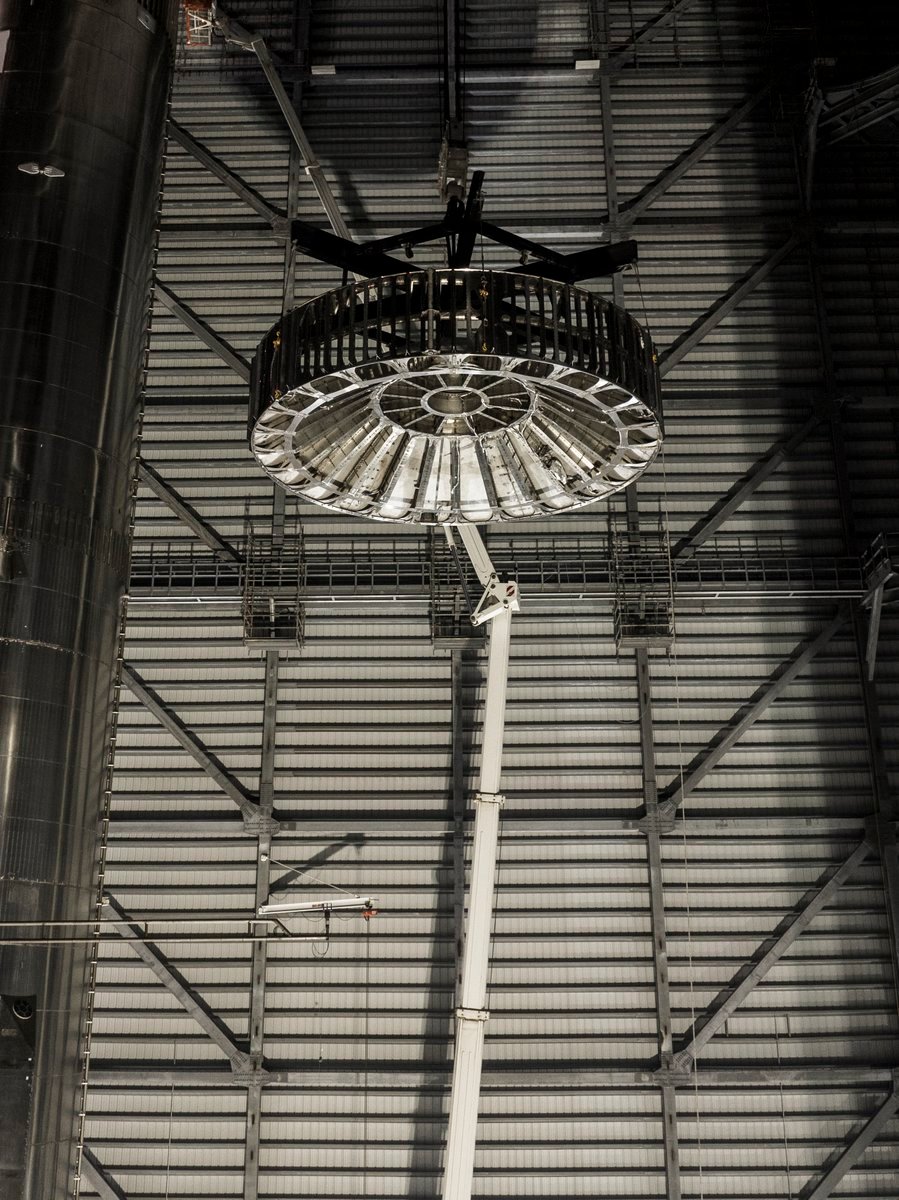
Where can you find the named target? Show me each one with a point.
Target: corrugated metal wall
(359, 1041)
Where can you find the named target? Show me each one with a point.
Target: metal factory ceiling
(693, 977)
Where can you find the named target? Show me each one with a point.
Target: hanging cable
(327, 946)
(635, 268)
(308, 875)
(168, 1149)
(783, 1113)
(683, 814)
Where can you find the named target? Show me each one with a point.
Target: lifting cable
(673, 654)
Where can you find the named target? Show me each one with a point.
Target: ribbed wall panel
(363, 750)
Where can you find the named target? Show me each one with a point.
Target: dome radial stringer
(454, 396)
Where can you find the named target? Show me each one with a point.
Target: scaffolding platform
(272, 582)
(198, 24)
(643, 610)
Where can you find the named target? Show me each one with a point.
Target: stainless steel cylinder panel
(83, 94)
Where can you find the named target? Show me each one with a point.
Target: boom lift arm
(498, 603)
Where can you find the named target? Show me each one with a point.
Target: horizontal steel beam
(838, 224)
(185, 512)
(777, 684)
(531, 1078)
(392, 75)
(361, 827)
(769, 952)
(207, 335)
(724, 306)
(189, 741)
(174, 982)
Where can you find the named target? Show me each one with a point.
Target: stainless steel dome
(455, 396)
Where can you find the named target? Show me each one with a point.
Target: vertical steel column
(608, 134)
(653, 829)
(884, 804)
(652, 825)
(260, 947)
(82, 108)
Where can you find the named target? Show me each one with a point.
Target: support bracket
(251, 1074)
(261, 824)
(460, 226)
(473, 1014)
(499, 595)
(490, 798)
(658, 820)
(672, 1076)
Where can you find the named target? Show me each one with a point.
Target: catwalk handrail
(403, 567)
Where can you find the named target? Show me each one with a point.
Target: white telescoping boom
(499, 601)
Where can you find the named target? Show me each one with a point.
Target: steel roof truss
(884, 821)
(98, 1177)
(725, 305)
(854, 1149)
(666, 179)
(652, 833)
(229, 178)
(649, 32)
(731, 733)
(185, 512)
(233, 31)
(207, 335)
(260, 947)
(742, 489)
(866, 93)
(769, 952)
(212, 765)
(175, 983)
(865, 108)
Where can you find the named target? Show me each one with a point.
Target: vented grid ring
(456, 431)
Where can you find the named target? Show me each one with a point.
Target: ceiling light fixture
(33, 168)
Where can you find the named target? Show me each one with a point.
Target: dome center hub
(454, 402)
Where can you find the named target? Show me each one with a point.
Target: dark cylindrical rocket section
(83, 93)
